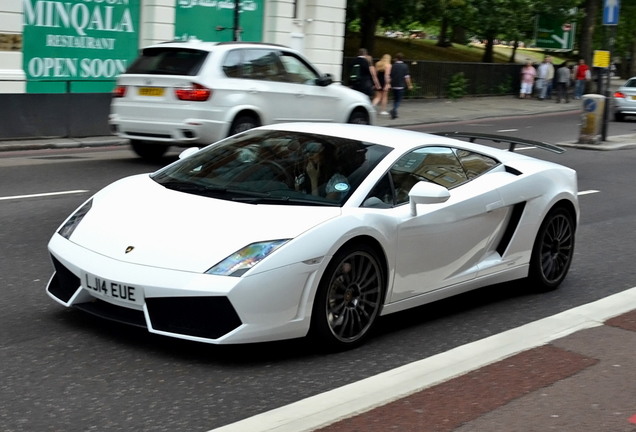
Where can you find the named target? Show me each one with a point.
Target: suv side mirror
(427, 193)
(324, 80)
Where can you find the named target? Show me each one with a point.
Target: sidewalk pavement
(411, 112)
(574, 371)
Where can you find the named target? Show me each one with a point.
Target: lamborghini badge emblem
(129, 248)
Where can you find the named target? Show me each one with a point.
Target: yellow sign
(601, 59)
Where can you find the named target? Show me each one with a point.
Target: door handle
(494, 206)
(253, 90)
(300, 95)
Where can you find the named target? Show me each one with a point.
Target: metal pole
(237, 28)
(607, 86)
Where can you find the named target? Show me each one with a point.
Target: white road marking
(318, 411)
(508, 130)
(587, 192)
(525, 148)
(42, 195)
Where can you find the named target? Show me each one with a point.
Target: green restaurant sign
(80, 45)
(213, 20)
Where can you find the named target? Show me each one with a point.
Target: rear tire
(243, 123)
(619, 117)
(148, 150)
(359, 117)
(349, 298)
(552, 251)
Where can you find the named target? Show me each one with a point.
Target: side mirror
(324, 80)
(188, 152)
(427, 193)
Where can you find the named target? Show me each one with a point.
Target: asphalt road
(65, 371)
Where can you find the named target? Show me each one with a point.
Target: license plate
(150, 91)
(111, 289)
(634, 97)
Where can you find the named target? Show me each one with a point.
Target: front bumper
(269, 306)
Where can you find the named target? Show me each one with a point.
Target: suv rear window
(168, 61)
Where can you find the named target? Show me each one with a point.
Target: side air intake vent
(513, 223)
(511, 170)
(64, 282)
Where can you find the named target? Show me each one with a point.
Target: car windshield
(276, 167)
(168, 61)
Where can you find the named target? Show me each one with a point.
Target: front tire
(147, 150)
(359, 117)
(553, 251)
(349, 297)
(243, 123)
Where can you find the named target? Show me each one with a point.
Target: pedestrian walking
(528, 74)
(383, 68)
(545, 75)
(400, 78)
(562, 78)
(581, 76)
(360, 77)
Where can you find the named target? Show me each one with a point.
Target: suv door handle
(253, 90)
(300, 95)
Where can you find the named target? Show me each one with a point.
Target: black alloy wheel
(243, 123)
(553, 250)
(359, 117)
(149, 150)
(349, 297)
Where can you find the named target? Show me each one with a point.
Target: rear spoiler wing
(512, 141)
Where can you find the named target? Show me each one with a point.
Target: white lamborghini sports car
(301, 229)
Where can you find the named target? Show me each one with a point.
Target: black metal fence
(431, 79)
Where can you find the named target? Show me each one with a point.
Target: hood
(181, 231)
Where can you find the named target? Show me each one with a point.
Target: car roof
(399, 139)
(213, 46)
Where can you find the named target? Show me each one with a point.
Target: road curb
(326, 408)
(61, 143)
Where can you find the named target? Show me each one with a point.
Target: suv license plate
(115, 290)
(150, 91)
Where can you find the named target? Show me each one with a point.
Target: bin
(592, 119)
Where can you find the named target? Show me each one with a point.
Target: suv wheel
(147, 150)
(242, 123)
(359, 117)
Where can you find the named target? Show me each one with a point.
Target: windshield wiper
(193, 187)
(283, 200)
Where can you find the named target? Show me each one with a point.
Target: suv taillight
(619, 95)
(195, 93)
(120, 91)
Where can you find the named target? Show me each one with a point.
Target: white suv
(195, 93)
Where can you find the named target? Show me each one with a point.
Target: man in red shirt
(582, 75)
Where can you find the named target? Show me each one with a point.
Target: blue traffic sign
(610, 12)
(589, 105)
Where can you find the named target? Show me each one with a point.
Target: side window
(297, 70)
(475, 164)
(263, 64)
(232, 64)
(381, 195)
(433, 164)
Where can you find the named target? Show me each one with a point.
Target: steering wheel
(274, 166)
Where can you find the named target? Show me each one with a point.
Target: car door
(315, 103)
(267, 86)
(444, 243)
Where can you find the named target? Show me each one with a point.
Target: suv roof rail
(512, 141)
(251, 43)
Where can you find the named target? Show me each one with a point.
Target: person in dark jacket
(362, 78)
(400, 79)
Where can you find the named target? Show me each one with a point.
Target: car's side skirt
(449, 291)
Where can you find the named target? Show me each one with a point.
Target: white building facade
(53, 46)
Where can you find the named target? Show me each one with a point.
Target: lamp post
(237, 28)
